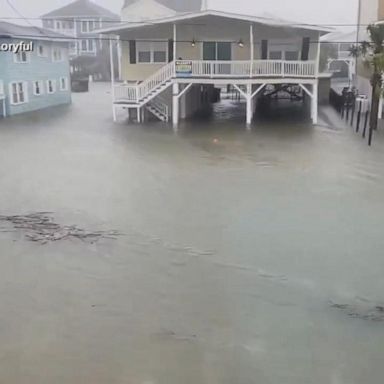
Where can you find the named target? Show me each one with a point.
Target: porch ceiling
(204, 17)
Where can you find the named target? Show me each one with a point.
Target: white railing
(135, 93)
(216, 69)
(158, 78)
(265, 68)
(125, 92)
(299, 68)
(221, 68)
(161, 106)
(257, 68)
(2, 93)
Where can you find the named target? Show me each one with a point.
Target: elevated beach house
(89, 51)
(342, 64)
(35, 77)
(170, 63)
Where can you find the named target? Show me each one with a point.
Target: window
(51, 86)
(21, 57)
(63, 84)
(292, 55)
(159, 52)
(152, 52)
(345, 47)
(144, 52)
(57, 54)
(38, 88)
(18, 92)
(57, 24)
(73, 48)
(41, 50)
(276, 55)
(88, 45)
(88, 26)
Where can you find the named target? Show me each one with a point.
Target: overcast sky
(310, 11)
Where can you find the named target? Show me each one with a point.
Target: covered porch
(213, 47)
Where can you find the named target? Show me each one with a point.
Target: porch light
(241, 43)
(193, 43)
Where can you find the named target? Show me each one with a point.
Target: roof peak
(176, 5)
(81, 8)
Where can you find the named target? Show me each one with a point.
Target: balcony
(252, 69)
(195, 71)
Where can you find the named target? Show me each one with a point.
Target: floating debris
(361, 310)
(40, 227)
(176, 336)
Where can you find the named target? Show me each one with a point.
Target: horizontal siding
(38, 68)
(212, 29)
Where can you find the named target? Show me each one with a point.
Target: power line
(18, 12)
(65, 37)
(118, 21)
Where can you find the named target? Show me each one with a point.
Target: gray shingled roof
(177, 5)
(32, 33)
(82, 8)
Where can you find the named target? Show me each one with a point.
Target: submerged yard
(242, 257)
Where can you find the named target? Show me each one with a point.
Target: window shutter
(170, 50)
(264, 49)
(132, 51)
(305, 49)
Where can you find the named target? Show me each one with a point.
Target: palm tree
(373, 54)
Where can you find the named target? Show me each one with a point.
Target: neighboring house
(370, 12)
(37, 79)
(216, 48)
(139, 10)
(89, 49)
(343, 65)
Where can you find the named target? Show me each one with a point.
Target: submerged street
(245, 256)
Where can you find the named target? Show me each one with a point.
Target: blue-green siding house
(36, 79)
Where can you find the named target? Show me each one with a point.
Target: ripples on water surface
(246, 256)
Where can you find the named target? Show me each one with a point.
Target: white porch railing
(217, 69)
(161, 76)
(221, 68)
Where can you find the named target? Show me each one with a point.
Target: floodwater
(236, 246)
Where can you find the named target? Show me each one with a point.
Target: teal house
(34, 69)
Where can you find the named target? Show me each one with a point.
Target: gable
(175, 5)
(144, 10)
(81, 8)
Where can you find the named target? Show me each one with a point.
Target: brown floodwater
(237, 245)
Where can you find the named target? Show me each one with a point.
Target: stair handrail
(164, 74)
(161, 105)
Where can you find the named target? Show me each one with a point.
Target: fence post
(359, 116)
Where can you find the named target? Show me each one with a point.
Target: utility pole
(357, 37)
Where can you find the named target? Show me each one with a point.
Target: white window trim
(88, 50)
(53, 86)
(283, 46)
(41, 86)
(28, 56)
(89, 22)
(25, 89)
(66, 83)
(45, 50)
(53, 50)
(152, 52)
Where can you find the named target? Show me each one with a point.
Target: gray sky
(310, 11)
